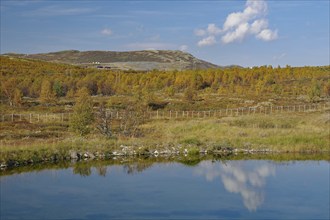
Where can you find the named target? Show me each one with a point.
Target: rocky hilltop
(136, 60)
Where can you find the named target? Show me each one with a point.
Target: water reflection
(102, 170)
(246, 181)
(182, 189)
(86, 169)
(136, 167)
(82, 169)
(237, 177)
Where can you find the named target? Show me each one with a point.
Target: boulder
(73, 154)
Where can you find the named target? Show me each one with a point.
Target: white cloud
(106, 31)
(238, 25)
(208, 41)
(253, 9)
(212, 29)
(236, 35)
(183, 48)
(247, 181)
(267, 35)
(200, 32)
(258, 25)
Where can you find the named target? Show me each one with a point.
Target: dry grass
(290, 132)
(308, 132)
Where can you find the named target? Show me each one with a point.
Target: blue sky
(224, 32)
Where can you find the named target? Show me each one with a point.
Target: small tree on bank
(47, 95)
(82, 113)
(17, 99)
(8, 88)
(133, 117)
(190, 94)
(103, 121)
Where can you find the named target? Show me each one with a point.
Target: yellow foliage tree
(82, 113)
(47, 95)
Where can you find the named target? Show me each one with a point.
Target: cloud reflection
(238, 177)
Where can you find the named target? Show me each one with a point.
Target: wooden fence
(172, 114)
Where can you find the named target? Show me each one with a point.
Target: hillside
(136, 60)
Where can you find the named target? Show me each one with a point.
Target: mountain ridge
(124, 60)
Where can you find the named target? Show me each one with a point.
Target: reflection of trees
(137, 167)
(100, 167)
(191, 161)
(245, 180)
(101, 170)
(86, 169)
(82, 169)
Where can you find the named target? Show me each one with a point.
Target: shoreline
(274, 134)
(72, 155)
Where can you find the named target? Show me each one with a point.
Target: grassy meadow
(38, 87)
(289, 132)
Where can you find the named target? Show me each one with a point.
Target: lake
(206, 189)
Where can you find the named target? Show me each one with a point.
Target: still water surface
(248, 189)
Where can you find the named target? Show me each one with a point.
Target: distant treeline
(48, 81)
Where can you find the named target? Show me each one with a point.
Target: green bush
(82, 113)
(193, 151)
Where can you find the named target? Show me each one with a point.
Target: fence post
(30, 118)
(12, 117)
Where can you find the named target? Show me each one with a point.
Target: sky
(224, 32)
